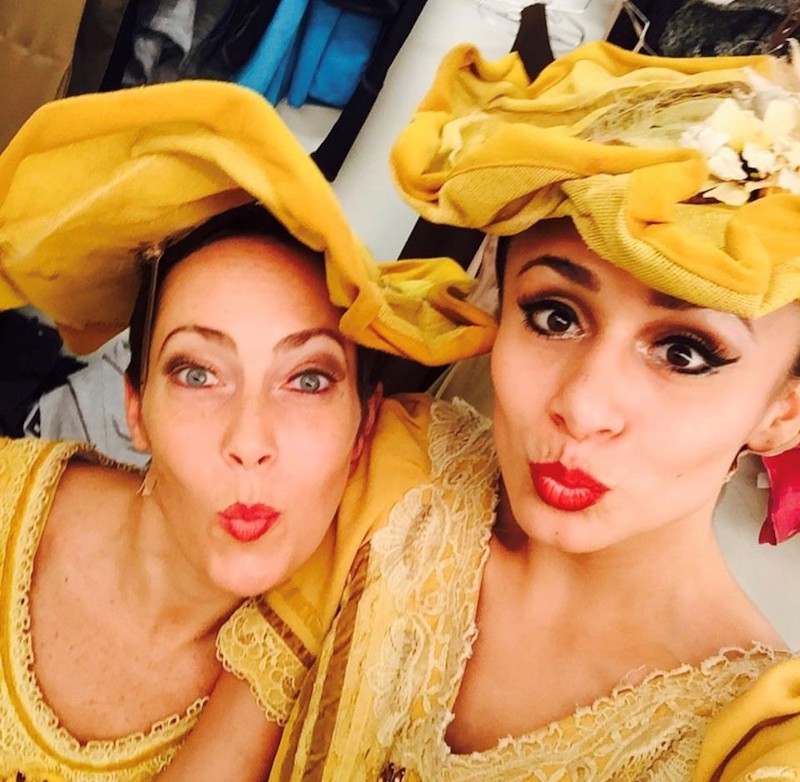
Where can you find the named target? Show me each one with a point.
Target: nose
(249, 439)
(593, 395)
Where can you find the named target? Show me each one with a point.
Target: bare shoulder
(91, 494)
(731, 621)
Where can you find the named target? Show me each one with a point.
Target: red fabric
(783, 514)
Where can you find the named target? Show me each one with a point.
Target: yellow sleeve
(756, 737)
(271, 641)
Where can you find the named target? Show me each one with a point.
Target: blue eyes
(685, 353)
(310, 382)
(196, 376)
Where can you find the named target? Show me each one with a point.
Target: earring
(147, 485)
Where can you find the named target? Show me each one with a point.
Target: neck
(667, 566)
(171, 596)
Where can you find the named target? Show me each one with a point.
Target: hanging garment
(100, 25)
(312, 50)
(31, 363)
(90, 406)
(167, 34)
(230, 45)
(270, 67)
(703, 28)
(334, 53)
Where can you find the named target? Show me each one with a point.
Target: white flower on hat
(748, 149)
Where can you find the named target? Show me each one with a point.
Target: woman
(550, 603)
(243, 387)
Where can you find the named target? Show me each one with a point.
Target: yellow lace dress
(379, 696)
(33, 747)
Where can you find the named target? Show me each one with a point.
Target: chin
(571, 532)
(245, 579)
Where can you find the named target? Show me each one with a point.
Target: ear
(133, 414)
(367, 426)
(780, 426)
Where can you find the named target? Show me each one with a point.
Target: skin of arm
(232, 739)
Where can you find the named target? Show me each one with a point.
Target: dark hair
(500, 259)
(251, 219)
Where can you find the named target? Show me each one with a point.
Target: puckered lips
(247, 523)
(565, 489)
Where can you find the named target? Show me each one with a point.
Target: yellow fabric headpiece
(90, 183)
(658, 162)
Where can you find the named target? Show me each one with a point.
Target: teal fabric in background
(269, 68)
(334, 53)
(312, 51)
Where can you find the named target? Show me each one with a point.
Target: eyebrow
(299, 338)
(289, 342)
(566, 268)
(587, 279)
(676, 304)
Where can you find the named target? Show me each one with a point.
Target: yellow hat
(684, 172)
(90, 183)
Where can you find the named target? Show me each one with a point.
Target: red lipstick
(564, 489)
(247, 523)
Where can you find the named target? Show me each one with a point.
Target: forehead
(254, 260)
(248, 277)
(557, 240)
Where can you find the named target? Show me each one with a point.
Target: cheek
(184, 441)
(522, 380)
(315, 452)
(691, 448)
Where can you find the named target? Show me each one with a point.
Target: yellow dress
(756, 737)
(380, 693)
(31, 740)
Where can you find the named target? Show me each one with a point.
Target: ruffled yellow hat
(91, 183)
(684, 172)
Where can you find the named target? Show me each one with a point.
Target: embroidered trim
(252, 650)
(30, 471)
(431, 557)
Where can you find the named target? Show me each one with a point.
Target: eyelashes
(312, 377)
(686, 352)
(190, 373)
(693, 354)
(551, 318)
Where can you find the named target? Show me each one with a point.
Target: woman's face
(619, 409)
(250, 411)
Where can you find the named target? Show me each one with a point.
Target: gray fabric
(163, 35)
(168, 36)
(703, 28)
(91, 406)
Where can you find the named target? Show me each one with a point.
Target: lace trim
(30, 775)
(431, 557)
(772, 774)
(437, 535)
(657, 723)
(30, 471)
(252, 650)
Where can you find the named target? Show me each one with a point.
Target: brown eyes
(686, 353)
